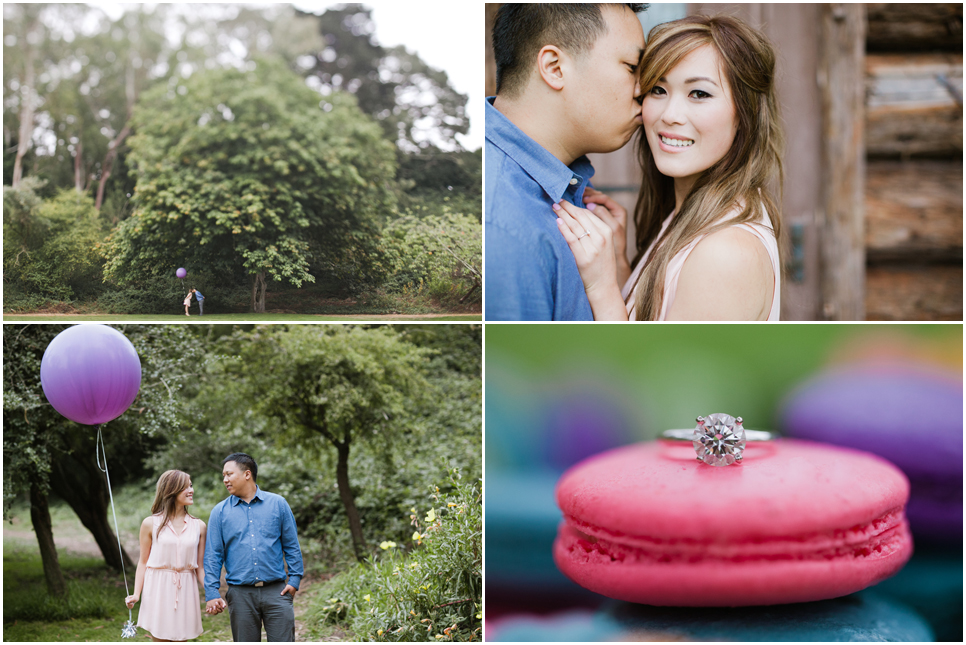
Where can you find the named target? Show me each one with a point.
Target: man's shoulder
(273, 498)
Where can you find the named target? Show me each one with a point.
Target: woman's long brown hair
(740, 180)
(171, 484)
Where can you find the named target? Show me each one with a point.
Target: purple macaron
(908, 413)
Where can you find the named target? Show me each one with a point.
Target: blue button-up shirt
(530, 271)
(250, 540)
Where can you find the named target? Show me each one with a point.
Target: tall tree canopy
(249, 171)
(332, 386)
(415, 103)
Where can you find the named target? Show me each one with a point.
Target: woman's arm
(200, 571)
(728, 276)
(144, 538)
(591, 242)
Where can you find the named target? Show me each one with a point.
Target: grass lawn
(215, 318)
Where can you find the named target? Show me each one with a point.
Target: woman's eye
(700, 94)
(657, 90)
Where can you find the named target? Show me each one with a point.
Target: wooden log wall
(914, 148)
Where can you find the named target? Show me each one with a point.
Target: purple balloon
(90, 373)
(181, 273)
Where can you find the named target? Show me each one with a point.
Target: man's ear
(550, 64)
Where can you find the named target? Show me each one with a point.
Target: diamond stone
(719, 439)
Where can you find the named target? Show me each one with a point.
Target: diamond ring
(718, 439)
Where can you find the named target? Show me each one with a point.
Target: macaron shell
(788, 487)
(725, 584)
(785, 495)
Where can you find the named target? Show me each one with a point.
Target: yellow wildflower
(385, 546)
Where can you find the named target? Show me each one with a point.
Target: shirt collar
(548, 171)
(235, 500)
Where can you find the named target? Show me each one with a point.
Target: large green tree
(335, 386)
(44, 452)
(249, 171)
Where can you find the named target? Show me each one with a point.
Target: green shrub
(431, 589)
(440, 255)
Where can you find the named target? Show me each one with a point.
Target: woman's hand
(615, 216)
(591, 242)
(130, 601)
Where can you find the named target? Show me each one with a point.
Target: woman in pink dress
(171, 565)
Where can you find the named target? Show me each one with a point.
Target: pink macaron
(796, 521)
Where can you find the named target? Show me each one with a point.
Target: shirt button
(574, 181)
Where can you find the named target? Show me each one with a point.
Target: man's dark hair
(244, 461)
(521, 30)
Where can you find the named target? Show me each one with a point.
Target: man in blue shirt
(567, 85)
(201, 301)
(250, 533)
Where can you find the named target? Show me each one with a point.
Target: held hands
(130, 601)
(215, 606)
(591, 241)
(615, 216)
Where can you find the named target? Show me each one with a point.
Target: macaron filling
(879, 538)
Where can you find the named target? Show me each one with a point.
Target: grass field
(216, 318)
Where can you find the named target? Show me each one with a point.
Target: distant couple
(252, 533)
(201, 302)
(574, 79)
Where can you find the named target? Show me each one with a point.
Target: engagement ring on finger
(718, 439)
(586, 233)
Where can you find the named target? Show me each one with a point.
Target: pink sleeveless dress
(170, 603)
(762, 230)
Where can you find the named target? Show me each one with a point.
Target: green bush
(441, 255)
(50, 248)
(431, 590)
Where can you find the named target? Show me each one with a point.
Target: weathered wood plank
(914, 105)
(491, 9)
(914, 26)
(914, 211)
(841, 75)
(914, 293)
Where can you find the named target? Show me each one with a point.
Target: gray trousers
(201, 307)
(249, 607)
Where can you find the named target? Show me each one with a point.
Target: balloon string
(99, 452)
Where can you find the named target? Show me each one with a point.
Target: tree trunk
(470, 292)
(115, 144)
(259, 287)
(83, 486)
(349, 502)
(80, 176)
(27, 100)
(40, 517)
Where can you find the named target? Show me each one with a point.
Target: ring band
(719, 439)
(687, 434)
(586, 233)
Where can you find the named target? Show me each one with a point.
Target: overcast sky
(447, 35)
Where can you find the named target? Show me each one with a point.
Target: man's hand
(289, 589)
(215, 606)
